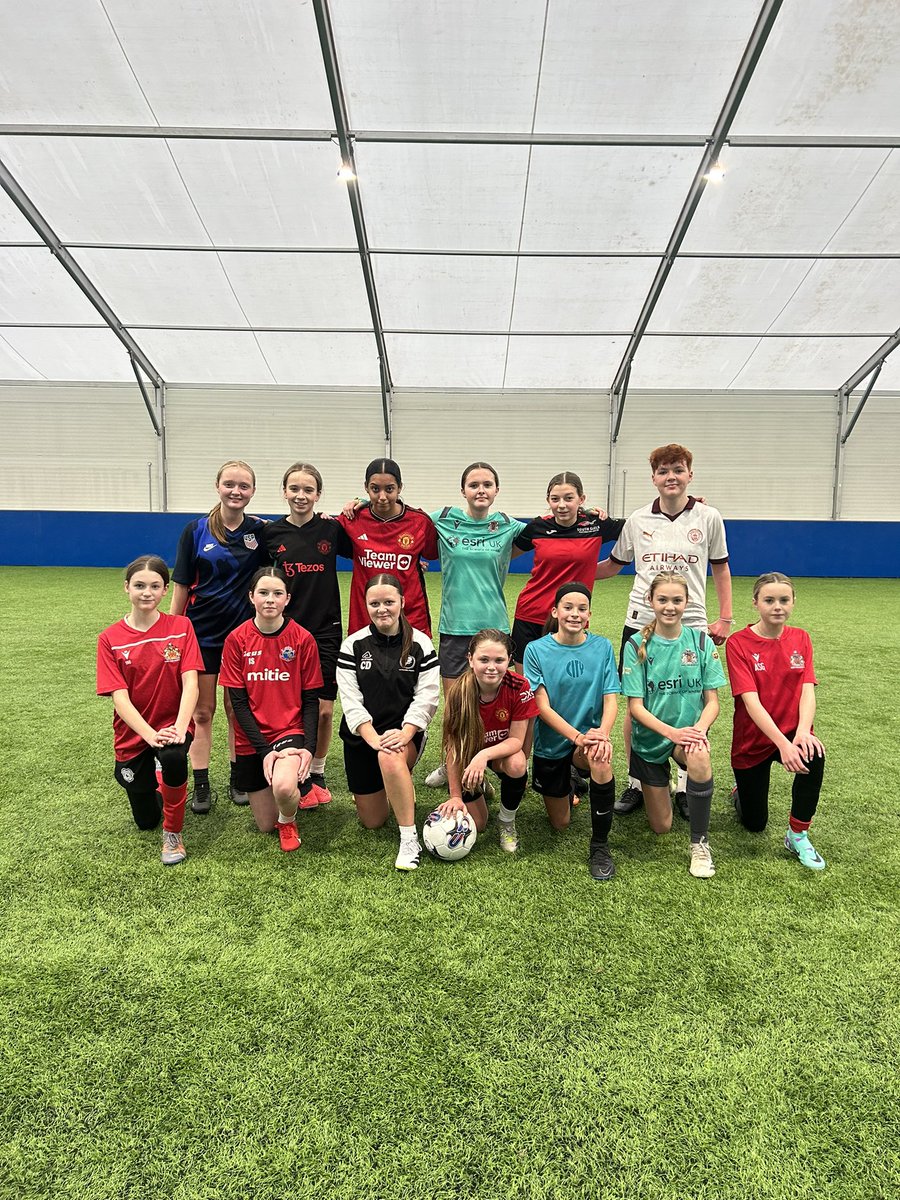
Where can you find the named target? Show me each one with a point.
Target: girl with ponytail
(670, 673)
(216, 559)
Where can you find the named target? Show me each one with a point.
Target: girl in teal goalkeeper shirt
(670, 674)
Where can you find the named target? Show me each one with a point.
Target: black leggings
(138, 778)
(753, 792)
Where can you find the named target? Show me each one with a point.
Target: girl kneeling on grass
(770, 665)
(670, 673)
(388, 682)
(149, 662)
(487, 717)
(270, 666)
(575, 683)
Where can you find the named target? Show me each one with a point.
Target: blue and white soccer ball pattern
(449, 838)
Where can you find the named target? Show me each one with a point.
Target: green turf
(252, 1024)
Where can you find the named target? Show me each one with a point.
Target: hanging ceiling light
(346, 173)
(716, 173)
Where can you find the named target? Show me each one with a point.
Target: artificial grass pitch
(254, 1024)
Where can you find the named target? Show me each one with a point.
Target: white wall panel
(254, 64)
(270, 428)
(763, 455)
(599, 58)
(106, 189)
(781, 200)
(845, 296)
(812, 363)
(829, 67)
(528, 438)
(461, 65)
(338, 360)
(871, 489)
(34, 287)
(873, 227)
(77, 448)
(596, 198)
(423, 361)
(47, 47)
(267, 193)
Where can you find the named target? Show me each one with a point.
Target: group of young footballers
(551, 688)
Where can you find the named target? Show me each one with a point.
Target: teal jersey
(474, 563)
(671, 681)
(576, 679)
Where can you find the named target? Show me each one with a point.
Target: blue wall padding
(867, 549)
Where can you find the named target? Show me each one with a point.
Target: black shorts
(627, 634)
(212, 659)
(552, 776)
(247, 774)
(651, 773)
(361, 765)
(138, 774)
(453, 654)
(328, 644)
(523, 634)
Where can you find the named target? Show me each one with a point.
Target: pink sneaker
(311, 799)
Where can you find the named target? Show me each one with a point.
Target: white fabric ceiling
(504, 263)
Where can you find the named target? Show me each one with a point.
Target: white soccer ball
(449, 838)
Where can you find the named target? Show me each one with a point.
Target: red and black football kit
(396, 546)
(149, 665)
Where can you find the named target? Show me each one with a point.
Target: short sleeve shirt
(474, 563)
(514, 702)
(687, 544)
(576, 680)
(149, 665)
(671, 681)
(275, 669)
(776, 669)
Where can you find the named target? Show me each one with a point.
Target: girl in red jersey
(388, 535)
(770, 665)
(305, 545)
(149, 662)
(217, 556)
(566, 547)
(270, 666)
(488, 714)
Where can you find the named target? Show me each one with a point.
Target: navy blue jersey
(218, 577)
(308, 556)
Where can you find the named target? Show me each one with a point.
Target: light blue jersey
(576, 680)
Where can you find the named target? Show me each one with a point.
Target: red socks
(173, 806)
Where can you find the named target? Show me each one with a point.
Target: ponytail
(646, 634)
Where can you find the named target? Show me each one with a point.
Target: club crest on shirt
(798, 662)
(408, 663)
(250, 541)
(288, 653)
(502, 714)
(172, 653)
(128, 774)
(406, 541)
(689, 659)
(694, 536)
(493, 526)
(323, 547)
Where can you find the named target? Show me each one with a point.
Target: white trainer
(409, 854)
(509, 839)
(438, 777)
(701, 860)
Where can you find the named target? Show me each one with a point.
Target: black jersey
(375, 686)
(308, 556)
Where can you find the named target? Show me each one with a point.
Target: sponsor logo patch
(128, 774)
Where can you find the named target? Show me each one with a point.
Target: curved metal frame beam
(345, 141)
(743, 75)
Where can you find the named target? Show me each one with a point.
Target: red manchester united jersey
(148, 665)
(274, 669)
(776, 669)
(514, 702)
(395, 546)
